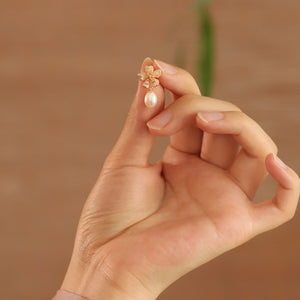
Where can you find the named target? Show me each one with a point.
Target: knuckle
(296, 181)
(231, 106)
(187, 100)
(113, 161)
(247, 122)
(242, 119)
(289, 214)
(241, 116)
(235, 107)
(190, 80)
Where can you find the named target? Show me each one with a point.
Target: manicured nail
(210, 116)
(166, 68)
(279, 161)
(160, 121)
(148, 59)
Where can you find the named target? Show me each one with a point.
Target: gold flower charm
(150, 77)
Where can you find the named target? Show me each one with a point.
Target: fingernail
(148, 59)
(166, 68)
(279, 161)
(210, 116)
(160, 121)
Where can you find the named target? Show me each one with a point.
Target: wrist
(95, 283)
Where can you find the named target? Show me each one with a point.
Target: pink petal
(149, 69)
(157, 73)
(146, 84)
(155, 82)
(142, 76)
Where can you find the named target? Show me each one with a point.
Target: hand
(143, 226)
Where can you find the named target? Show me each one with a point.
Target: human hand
(143, 226)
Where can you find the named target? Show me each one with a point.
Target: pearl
(150, 99)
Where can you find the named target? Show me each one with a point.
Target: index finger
(178, 81)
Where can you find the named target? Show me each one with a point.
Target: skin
(145, 225)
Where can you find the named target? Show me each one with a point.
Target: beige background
(67, 77)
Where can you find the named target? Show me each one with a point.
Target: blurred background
(67, 77)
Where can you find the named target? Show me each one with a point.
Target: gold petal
(142, 76)
(157, 73)
(146, 84)
(155, 82)
(149, 69)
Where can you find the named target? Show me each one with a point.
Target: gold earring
(150, 78)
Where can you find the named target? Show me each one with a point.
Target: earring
(150, 78)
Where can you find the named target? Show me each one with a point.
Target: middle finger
(181, 115)
(180, 83)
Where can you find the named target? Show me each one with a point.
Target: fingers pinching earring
(150, 77)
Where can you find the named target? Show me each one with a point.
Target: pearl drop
(150, 99)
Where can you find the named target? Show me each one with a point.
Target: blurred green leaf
(199, 3)
(206, 50)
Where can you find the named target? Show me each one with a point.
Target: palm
(194, 208)
(202, 205)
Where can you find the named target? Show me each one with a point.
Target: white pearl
(150, 99)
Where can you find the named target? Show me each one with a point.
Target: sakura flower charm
(150, 78)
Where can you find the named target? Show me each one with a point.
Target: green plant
(205, 51)
(205, 62)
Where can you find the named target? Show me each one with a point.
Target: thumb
(135, 141)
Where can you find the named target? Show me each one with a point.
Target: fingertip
(200, 118)
(156, 131)
(280, 208)
(208, 121)
(283, 174)
(165, 67)
(272, 160)
(177, 80)
(269, 159)
(148, 59)
(201, 123)
(160, 121)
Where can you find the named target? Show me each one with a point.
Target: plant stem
(206, 55)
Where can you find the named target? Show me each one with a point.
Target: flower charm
(150, 77)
